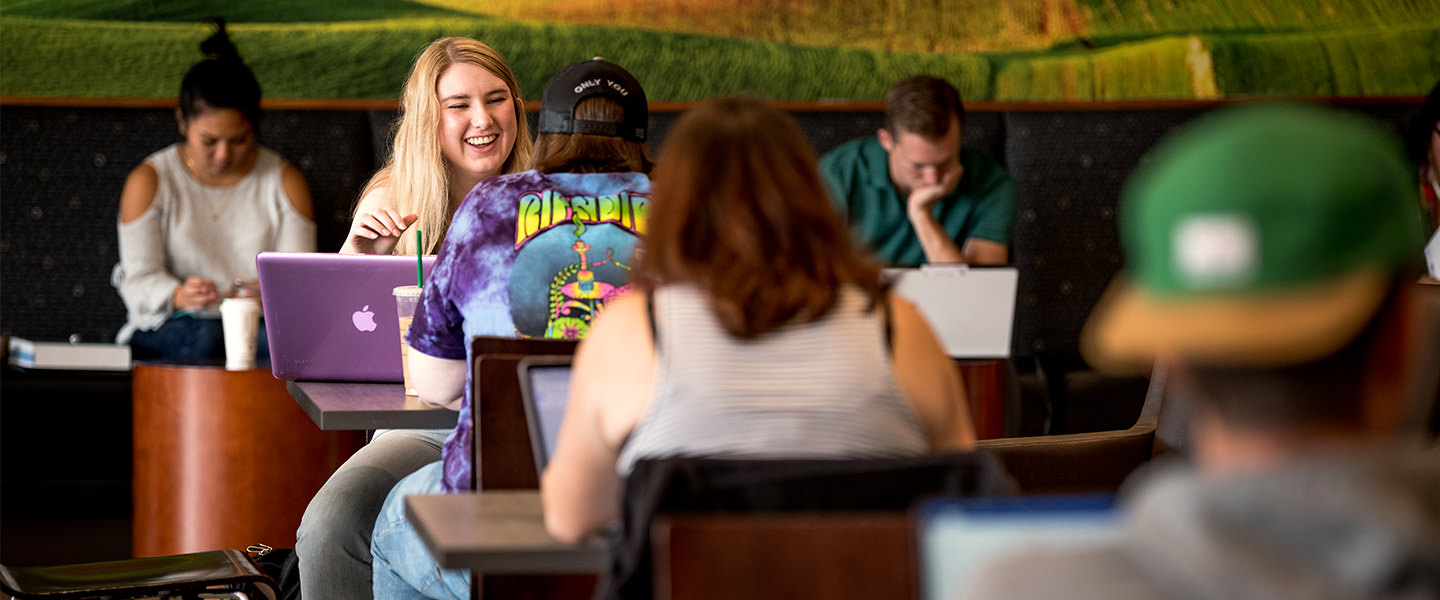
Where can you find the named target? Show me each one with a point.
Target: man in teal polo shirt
(912, 194)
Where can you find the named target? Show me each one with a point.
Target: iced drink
(406, 298)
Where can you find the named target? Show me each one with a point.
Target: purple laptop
(331, 317)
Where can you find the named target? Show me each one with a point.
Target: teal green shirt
(982, 206)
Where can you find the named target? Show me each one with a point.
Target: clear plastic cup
(407, 297)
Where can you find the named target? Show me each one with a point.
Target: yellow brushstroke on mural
(1202, 69)
(892, 25)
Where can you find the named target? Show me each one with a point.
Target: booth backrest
(1069, 167)
(62, 169)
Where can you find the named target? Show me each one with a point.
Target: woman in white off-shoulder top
(194, 214)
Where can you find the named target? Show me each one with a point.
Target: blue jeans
(403, 566)
(188, 337)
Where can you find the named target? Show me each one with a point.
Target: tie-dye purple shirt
(527, 255)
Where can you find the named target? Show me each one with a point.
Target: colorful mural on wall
(803, 50)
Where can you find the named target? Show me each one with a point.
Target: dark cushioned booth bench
(62, 169)
(63, 163)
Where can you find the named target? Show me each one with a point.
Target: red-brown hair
(741, 211)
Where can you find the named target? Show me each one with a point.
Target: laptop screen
(959, 538)
(971, 309)
(545, 388)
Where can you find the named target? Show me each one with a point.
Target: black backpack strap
(650, 316)
(889, 323)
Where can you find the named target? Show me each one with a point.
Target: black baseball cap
(594, 77)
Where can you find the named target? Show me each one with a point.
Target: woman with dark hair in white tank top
(773, 335)
(194, 214)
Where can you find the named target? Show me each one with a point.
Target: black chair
(186, 576)
(757, 486)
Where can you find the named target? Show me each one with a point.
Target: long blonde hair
(416, 172)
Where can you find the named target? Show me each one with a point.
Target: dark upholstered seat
(1095, 462)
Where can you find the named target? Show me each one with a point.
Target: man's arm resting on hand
(940, 249)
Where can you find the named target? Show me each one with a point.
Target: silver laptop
(971, 309)
(331, 317)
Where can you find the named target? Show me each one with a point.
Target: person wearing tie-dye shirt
(462, 120)
(534, 254)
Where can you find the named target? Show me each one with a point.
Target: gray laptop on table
(971, 309)
(331, 317)
(544, 390)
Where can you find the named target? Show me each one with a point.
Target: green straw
(419, 262)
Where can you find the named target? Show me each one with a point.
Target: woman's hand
(195, 294)
(378, 231)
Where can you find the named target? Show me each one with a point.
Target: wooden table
(497, 532)
(341, 406)
(364, 406)
(223, 459)
(500, 535)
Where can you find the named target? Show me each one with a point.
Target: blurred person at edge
(1282, 298)
(1422, 137)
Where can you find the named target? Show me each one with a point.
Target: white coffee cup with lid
(240, 319)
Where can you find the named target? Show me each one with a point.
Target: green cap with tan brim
(1260, 236)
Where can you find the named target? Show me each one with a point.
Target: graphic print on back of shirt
(572, 256)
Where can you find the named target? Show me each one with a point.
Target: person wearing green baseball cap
(1271, 253)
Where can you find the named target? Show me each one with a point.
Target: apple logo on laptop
(364, 319)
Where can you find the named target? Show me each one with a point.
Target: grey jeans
(333, 542)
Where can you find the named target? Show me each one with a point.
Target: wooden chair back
(503, 458)
(812, 556)
(776, 488)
